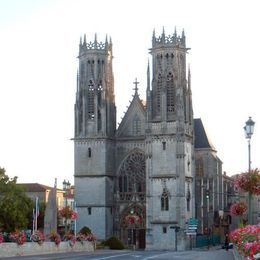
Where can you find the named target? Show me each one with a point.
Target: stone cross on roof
(136, 87)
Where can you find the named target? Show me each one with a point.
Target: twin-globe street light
(249, 130)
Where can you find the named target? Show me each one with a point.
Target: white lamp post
(249, 130)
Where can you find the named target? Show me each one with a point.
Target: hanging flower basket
(249, 182)
(68, 213)
(238, 209)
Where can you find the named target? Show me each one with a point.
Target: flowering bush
(89, 237)
(249, 182)
(68, 213)
(247, 240)
(38, 237)
(18, 236)
(70, 238)
(55, 237)
(80, 237)
(132, 219)
(1, 238)
(238, 209)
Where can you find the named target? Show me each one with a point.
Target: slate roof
(202, 140)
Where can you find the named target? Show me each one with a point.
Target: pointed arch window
(136, 126)
(91, 100)
(158, 94)
(165, 201)
(170, 92)
(131, 179)
(188, 199)
(99, 89)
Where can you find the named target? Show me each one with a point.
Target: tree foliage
(15, 206)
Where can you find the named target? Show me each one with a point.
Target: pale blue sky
(38, 49)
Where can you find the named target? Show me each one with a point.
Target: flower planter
(33, 248)
(236, 254)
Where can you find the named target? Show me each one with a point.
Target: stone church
(135, 182)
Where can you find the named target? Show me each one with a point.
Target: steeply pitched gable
(133, 122)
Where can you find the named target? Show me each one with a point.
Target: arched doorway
(131, 187)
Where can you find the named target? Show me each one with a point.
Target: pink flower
(1, 238)
(68, 213)
(18, 236)
(247, 240)
(249, 182)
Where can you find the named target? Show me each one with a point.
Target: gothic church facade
(136, 181)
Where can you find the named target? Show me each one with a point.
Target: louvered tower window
(170, 93)
(99, 91)
(91, 100)
(158, 94)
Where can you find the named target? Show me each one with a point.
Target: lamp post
(249, 130)
(132, 213)
(66, 186)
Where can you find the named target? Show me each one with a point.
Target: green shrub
(114, 243)
(85, 231)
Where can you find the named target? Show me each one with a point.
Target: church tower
(95, 126)
(169, 144)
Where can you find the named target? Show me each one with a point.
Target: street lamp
(66, 186)
(249, 130)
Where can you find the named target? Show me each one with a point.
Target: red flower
(238, 209)
(18, 236)
(249, 182)
(247, 240)
(1, 238)
(68, 213)
(55, 237)
(133, 219)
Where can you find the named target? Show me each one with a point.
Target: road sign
(192, 227)
(193, 221)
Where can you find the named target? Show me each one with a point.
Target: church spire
(163, 35)
(95, 40)
(189, 80)
(175, 32)
(148, 76)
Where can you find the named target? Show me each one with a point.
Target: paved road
(212, 254)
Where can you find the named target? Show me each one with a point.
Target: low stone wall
(236, 255)
(33, 248)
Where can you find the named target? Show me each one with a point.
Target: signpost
(191, 229)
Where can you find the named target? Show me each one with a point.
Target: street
(197, 254)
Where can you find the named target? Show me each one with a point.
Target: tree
(15, 206)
